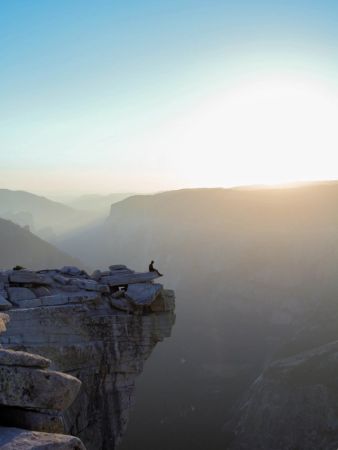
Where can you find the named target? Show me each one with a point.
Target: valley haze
(255, 274)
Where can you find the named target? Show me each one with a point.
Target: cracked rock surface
(99, 329)
(32, 397)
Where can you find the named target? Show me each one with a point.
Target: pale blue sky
(101, 96)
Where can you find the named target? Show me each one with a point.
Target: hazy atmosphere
(168, 225)
(109, 96)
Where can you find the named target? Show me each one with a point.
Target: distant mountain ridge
(20, 247)
(45, 217)
(18, 200)
(98, 203)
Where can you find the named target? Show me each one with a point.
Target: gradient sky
(104, 96)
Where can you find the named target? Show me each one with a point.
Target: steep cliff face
(88, 337)
(293, 404)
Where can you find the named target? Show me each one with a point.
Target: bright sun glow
(267, 131)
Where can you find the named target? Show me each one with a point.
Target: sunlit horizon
(109, 99)
(68, 196)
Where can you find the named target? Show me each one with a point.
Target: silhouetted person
(152, 269)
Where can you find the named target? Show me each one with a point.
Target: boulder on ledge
(24, 359)
(143, 294)
(29, 277)
(37, 389)
(14, 439)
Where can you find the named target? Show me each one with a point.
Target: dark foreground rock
(33, 397)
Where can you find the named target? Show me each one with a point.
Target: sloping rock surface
(15, 358)
(143, 293)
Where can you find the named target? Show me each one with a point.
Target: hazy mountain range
(255, 274)
(280, 238)
(50, 219)
(99, 204)
(20, 247)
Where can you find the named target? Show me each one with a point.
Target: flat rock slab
(33, 303)
(29, 277)
(73, 271)
(17, 294)
(83, 297)
(89, 285)
(129, 278)
(143, 294)
(23, 359)
(54, 300)
(118, 267)
(15, 439)
(79, 296)
(37, 389)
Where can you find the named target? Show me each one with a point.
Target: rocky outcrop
(33, 397)
(120, 286)
(99, 329)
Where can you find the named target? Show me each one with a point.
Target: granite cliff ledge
(99, 329)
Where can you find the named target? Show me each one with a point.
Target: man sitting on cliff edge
(152, 269)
